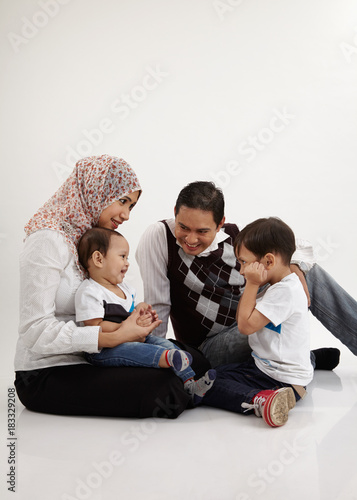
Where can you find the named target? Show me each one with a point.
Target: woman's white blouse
(49, 278)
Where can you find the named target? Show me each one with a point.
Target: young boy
(276, 320)
(105, 300)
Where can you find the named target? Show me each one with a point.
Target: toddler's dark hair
(270, 235)
(96, 238)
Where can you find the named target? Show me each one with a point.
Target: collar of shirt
(220, 236)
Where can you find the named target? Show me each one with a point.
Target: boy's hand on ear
(255, 273)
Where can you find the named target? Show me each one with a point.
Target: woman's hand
(128, 331)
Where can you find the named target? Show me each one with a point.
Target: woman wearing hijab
(52, 375)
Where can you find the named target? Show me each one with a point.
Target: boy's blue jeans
(146, 353)
(333, 306)
(330, 304)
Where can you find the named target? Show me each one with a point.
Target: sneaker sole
(277, 407)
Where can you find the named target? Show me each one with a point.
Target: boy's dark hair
(269, 235)
(96, 238)
(202, 195)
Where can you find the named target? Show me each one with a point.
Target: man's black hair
(202, 195)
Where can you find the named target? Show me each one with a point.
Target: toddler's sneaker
(273, 406)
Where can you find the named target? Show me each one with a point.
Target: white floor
(205, 454)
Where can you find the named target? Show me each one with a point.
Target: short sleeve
(89, 304)
(276, 304)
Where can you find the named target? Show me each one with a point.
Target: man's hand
(296, 269)
(255, 273)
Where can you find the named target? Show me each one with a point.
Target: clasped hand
(142, 321)
(147, 315)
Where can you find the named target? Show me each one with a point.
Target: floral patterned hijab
(95, 183)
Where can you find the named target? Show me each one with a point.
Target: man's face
(195, 229)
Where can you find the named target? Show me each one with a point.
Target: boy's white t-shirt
(282, 348)
(90, 296)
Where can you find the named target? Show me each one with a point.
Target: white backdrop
(256, 95)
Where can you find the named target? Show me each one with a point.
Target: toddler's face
(115, 263)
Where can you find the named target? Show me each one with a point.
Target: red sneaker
(273, 406)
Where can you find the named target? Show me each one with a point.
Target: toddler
(105, 300)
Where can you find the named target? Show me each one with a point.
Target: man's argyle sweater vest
(204, 290)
